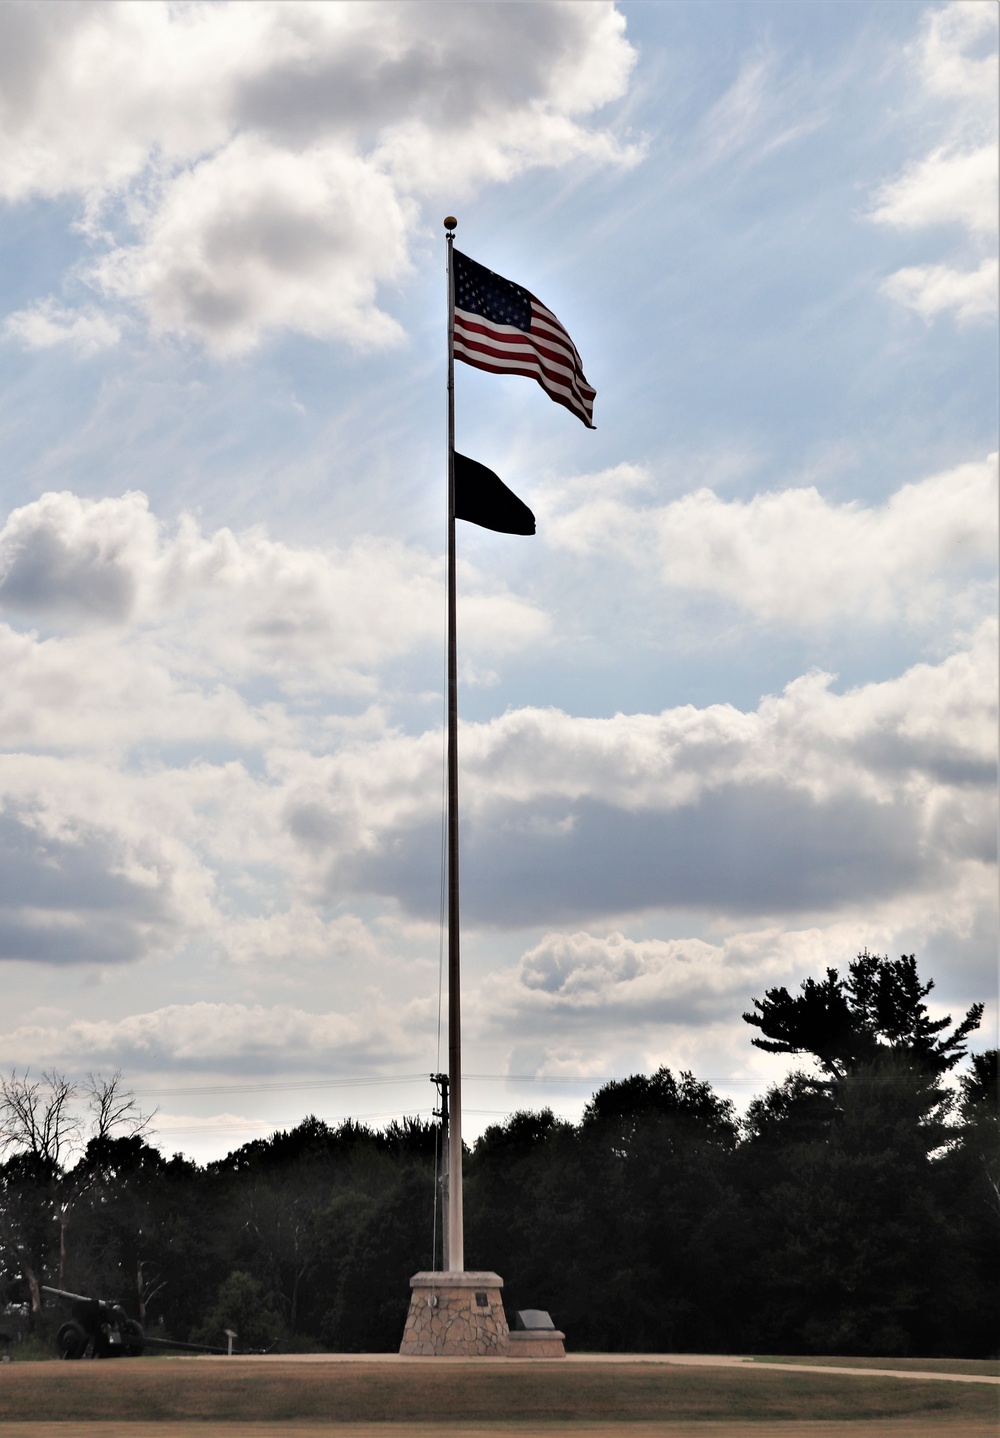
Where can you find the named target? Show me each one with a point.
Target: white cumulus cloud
(245, 169)
(944, 189)
(813, 802)
(955, 185)
(794, 557)
(46, 325)
(672, 997)
(211, 1036)
(229, 605)
(937, 289)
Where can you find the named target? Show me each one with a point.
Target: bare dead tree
(113, 1109)
(147, 1287)
(37, 1117)
(41, 1120)
(39, 1125)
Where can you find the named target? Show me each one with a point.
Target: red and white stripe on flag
(544, 352)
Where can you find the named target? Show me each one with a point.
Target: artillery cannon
(98, 1329)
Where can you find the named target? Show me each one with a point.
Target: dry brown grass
(478, 1398)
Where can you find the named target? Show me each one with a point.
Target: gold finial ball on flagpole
(450, 222)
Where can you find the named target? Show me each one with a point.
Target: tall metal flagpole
(456, 1241)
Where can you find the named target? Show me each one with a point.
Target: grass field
(888, 1428)
(602, 1398)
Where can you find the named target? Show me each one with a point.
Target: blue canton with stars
(479, 291)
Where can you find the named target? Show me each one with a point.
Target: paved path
(725, 1360)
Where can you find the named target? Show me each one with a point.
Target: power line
(278, 1086)
(304, 1085)
(377, 1080)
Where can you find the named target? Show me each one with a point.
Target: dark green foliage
(620, 1226)
(689, 1108)
(970, 1187)
(877, 1011)
(979, 1085)
(854, 1242)
(798, 1111)
(243, 1305)
(865, 1237)
(377, 1237)
(526, 1204)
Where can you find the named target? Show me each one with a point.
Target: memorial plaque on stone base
(534, 1335)
(536, 1343)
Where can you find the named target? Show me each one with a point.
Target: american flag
(502, 328)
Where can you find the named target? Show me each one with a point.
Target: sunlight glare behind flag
(502, 328)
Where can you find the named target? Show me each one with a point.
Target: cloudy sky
(729, 716)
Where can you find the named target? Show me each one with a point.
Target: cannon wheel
(133, 1338)
(71, 1340)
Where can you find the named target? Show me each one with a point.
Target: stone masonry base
(455, 1315)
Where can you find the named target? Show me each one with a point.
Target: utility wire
(276, 1086)
(253, 1125)
(378, 1080)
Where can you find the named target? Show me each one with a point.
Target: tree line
(855, 1209)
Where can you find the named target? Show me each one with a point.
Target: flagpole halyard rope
(441, 1130)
